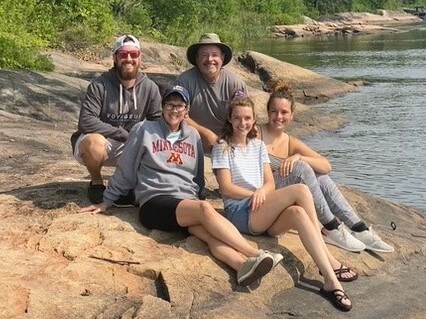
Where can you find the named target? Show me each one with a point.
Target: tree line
(29, 26)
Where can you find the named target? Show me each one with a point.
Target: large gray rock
(307, 85)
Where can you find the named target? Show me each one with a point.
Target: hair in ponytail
(279, 89)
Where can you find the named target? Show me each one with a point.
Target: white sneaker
(372, 241)
(254, 268)
(277, 257)
(342, 238)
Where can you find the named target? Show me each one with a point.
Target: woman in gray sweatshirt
(163, 162)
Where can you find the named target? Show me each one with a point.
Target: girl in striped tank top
(292, 162)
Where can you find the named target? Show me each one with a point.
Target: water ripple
(382, 150)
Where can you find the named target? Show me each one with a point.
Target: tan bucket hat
(208, 38)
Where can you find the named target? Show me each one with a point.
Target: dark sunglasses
(123, 54)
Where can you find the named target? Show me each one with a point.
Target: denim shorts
(238, 214)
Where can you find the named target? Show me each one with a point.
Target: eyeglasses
(171, 106)
(123, 54)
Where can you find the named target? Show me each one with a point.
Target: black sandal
(342, 270)
(335, 297)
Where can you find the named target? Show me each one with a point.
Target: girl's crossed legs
(292, 207)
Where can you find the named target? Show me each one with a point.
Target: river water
(382, 150)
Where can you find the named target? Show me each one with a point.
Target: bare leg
(283, 198)
(93, 149)
(218, 248)
(195, 212)
(295, 217)
(287, 208)
(310, 210)
(276, 202)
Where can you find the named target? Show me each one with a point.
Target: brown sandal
(342, 270)
(335, 297)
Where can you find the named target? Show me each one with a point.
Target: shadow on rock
(54, 195)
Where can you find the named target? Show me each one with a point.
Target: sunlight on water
(382, 150)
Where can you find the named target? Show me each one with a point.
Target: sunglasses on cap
(123, 54)
(240, 95)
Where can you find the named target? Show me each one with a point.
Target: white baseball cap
(126, 40)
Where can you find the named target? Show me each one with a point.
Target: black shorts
(160, 213)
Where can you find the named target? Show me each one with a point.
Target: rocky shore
(58, 263)
(346, 24)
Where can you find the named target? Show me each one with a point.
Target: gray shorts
(238, 214)
(114, 149)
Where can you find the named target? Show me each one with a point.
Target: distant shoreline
(347, 24)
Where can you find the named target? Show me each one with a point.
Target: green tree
(32, 25)
(176, 20)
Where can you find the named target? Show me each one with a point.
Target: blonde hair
(279, 89)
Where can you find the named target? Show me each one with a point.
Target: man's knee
(94, 147)
(93, 143)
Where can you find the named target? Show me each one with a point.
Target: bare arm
(229, 189)
(257, 197)
(268, 178)
(300, 151)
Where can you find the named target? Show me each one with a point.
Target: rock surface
(347, 23)
(58, 263)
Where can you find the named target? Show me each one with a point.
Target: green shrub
(83, 35)
(31, 25)
(138, 17)
(15, 53)
(176, 20)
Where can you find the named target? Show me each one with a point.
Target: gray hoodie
(152, 166)
(111, 110)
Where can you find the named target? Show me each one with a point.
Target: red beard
(125, 74)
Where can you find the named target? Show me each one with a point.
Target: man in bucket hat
(210, 86)
(114, 103)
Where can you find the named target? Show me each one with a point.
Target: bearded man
(114, 103)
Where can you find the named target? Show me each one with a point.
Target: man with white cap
(210, 86)
(114, 103)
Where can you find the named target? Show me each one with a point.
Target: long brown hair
(239, 98)
(279, 89)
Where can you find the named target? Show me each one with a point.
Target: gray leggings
(329, 201)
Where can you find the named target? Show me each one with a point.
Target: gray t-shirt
(209, 102)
